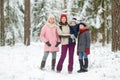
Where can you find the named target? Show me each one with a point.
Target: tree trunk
(65, 4)
(115, 25)
(103, 25)
(108, 36)
(27, 23)
(2, 32)
(94, 34)
(107, 22)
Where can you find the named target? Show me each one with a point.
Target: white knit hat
(73, 20)
(50, 16)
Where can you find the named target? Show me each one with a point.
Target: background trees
(22, 21)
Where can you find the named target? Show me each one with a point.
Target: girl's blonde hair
(51, 16)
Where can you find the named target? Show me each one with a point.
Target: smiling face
(63, 19)
(73, 23)
(51, 20)
(81, 27)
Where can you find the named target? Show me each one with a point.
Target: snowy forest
(97, 13)
(22, 50)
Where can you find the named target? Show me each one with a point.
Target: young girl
(83, 47)
(51, 39)
(67, 44)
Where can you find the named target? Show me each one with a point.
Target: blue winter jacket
(74, 31)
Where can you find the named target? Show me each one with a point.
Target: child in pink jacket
(51, 39)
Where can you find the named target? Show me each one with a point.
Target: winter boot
(53, 64)
(81, 66)
(85, 66)
(42, 65)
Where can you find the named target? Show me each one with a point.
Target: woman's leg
(62, 57)
(53, 60)
(71, 56)
(44, 59)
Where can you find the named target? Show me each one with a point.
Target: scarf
(82, 30)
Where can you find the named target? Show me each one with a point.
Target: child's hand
(48, 43)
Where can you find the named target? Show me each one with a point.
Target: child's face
(63, 19)
(81, 27)
(51, 20)
(73, 23)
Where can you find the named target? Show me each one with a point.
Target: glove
(48, 43)
(87, 51)
(72, 36)
(57, 44)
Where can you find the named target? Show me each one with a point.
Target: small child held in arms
(74, 28)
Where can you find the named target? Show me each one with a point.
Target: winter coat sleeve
(58, 38)
(43, 34)
(59, 31)
(61, 34)
(88, 40)
(76, 31)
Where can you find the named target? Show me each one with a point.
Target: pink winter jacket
(49, 33)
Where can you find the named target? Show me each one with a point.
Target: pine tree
(38, 18)
(9, 22)
(103, 23)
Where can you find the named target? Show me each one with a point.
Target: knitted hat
(73, 20)
(63, 15)
(50, 16)
(83, 23)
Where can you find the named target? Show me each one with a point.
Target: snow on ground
(22, 63)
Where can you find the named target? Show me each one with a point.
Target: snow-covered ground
(22, 63)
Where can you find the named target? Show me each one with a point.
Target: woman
(67, 44)
(51, 39)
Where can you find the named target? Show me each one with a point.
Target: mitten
(87, 51)
(48, 43)
(72, 36)
(57, 44)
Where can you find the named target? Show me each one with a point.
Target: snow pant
(83, 57)
(45, 58)
(64, 49)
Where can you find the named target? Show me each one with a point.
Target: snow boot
(85, 66)
(42, 65)
(53, 64)
(81, 67)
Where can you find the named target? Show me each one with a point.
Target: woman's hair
(61, 23)
(50, 16)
